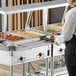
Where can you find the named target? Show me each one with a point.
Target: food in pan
(59, 26)
(51, 30)
(11, 37)
(27, 33)
(48, 30)
(40, 28)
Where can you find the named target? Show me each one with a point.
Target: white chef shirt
(69, 27)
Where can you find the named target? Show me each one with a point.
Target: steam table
(12, 52)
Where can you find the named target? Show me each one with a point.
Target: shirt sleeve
(68, 29)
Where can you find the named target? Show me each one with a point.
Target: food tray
(57, 26)
(10, 37)
(49, 29)
(28, 33)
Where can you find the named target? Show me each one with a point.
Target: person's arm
(67, 30)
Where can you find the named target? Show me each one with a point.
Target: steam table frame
(28, 8)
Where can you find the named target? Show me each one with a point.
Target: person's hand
(56, 43)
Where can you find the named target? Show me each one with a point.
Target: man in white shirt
(68, 36)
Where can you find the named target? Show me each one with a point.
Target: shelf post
(45, 18)
(5, 25)
(3, 4)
